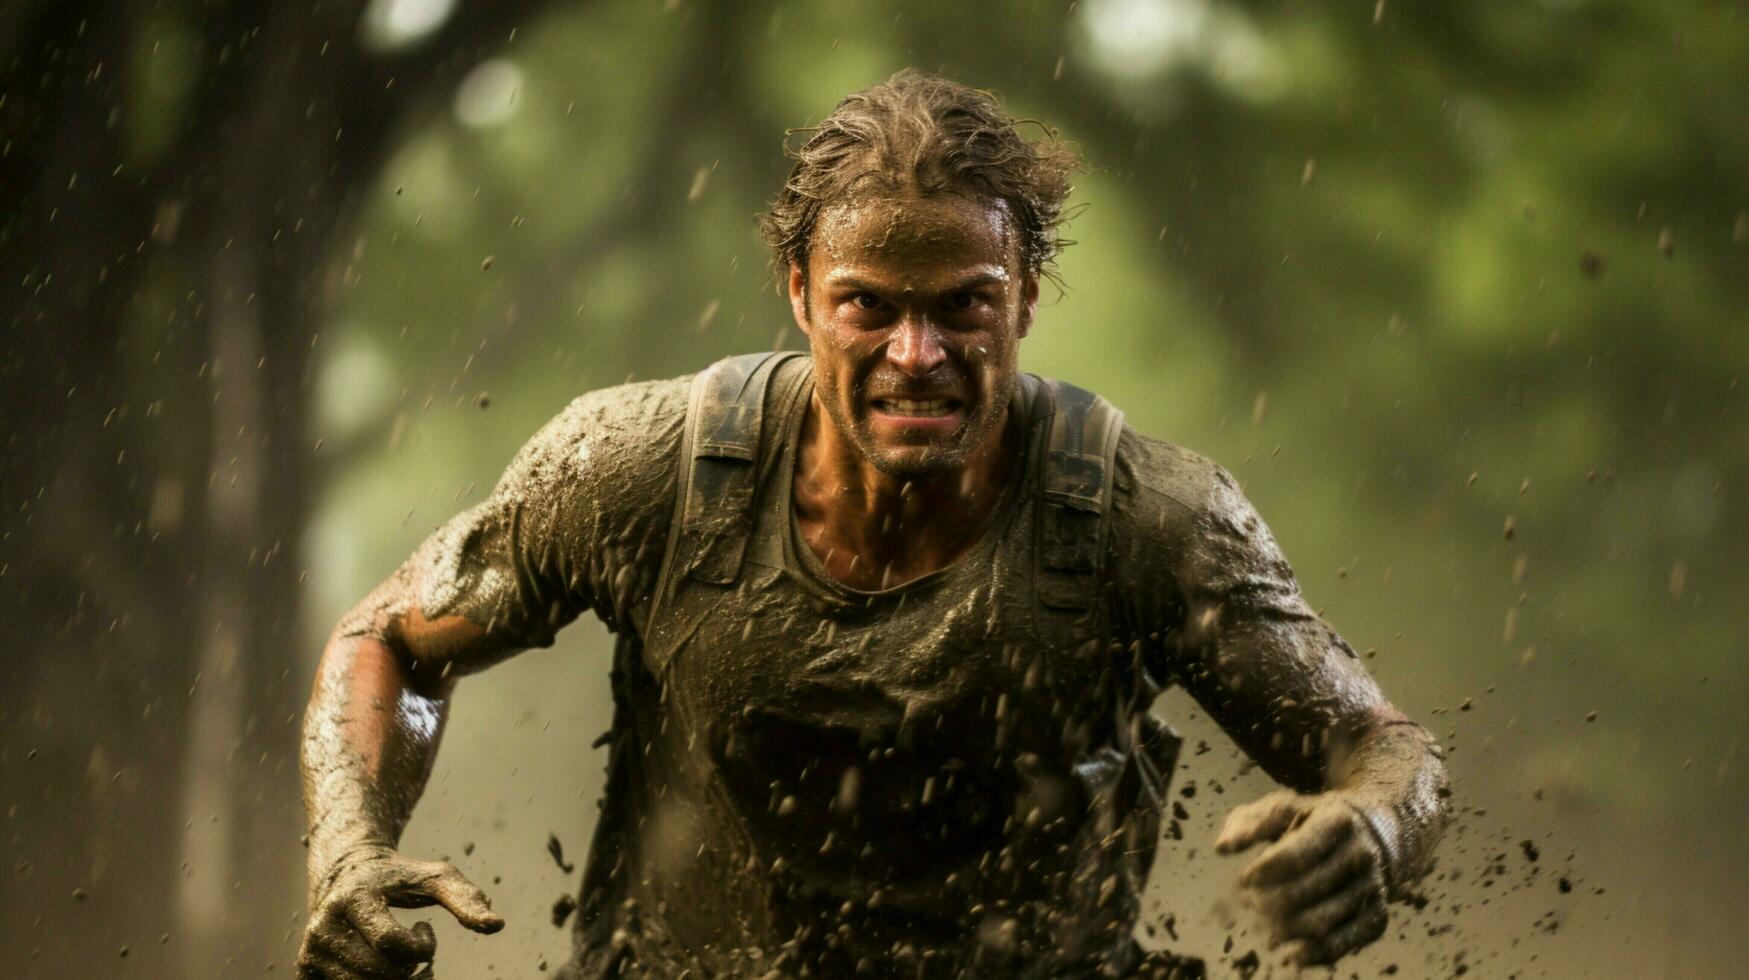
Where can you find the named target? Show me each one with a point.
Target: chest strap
(1075, 480)
(720, 475)
(720, 469)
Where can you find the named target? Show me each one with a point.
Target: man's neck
(872, 530)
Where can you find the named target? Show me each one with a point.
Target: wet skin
(370, 739)
(914, 307)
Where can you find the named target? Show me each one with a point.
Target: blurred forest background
(1459, 291)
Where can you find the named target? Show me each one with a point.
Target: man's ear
(798, 297)
(1028, 301)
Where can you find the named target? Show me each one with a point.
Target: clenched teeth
(907, 406)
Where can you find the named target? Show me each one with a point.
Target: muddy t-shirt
(953, 774)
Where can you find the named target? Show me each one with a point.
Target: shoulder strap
(1075, 479)
(719, 470)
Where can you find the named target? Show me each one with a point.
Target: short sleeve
(577, 521)
(1233, 626)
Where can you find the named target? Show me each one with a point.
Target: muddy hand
(1320, 885)
(352, 933)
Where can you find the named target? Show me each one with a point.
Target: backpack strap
(719, 470)
(1075, 480)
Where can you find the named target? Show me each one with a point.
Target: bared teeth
(908, 406)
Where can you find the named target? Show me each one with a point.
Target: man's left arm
(1365, 802)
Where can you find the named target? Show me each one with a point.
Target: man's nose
(915, 347)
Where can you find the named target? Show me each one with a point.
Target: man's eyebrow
(848, 280)
(851, 281)
(978, 279)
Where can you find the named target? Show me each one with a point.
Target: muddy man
(891, 615)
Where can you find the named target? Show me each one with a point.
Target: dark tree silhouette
(160, 316)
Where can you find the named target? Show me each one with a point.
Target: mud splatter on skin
(907, 296)
(470, 597)
(915, 294)
(370, 737)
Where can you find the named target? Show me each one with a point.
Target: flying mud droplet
(557, 850)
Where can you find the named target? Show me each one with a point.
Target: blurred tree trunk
(168, 301)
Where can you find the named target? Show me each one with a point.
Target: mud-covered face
(914, 305)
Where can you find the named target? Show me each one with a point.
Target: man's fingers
(1301, 849)
(1323, 918)
(333, 943)
(1367, 925)
(465, 901)
(358, 956)
(403, 944)
(317, 965)
(1350, 861)
(1263, 819)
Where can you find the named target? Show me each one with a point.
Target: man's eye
(866, 301)
(962, 301)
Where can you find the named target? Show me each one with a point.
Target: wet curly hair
(933, 134)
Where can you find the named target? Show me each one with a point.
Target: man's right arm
(370, 738)
(571, 526)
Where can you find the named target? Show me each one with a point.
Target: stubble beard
(926, 462)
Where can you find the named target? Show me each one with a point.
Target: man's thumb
(466, 902)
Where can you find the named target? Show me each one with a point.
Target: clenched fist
(1321, 885)
(352, 934)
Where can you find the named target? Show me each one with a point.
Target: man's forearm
(1395, 777)
(370, 738)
